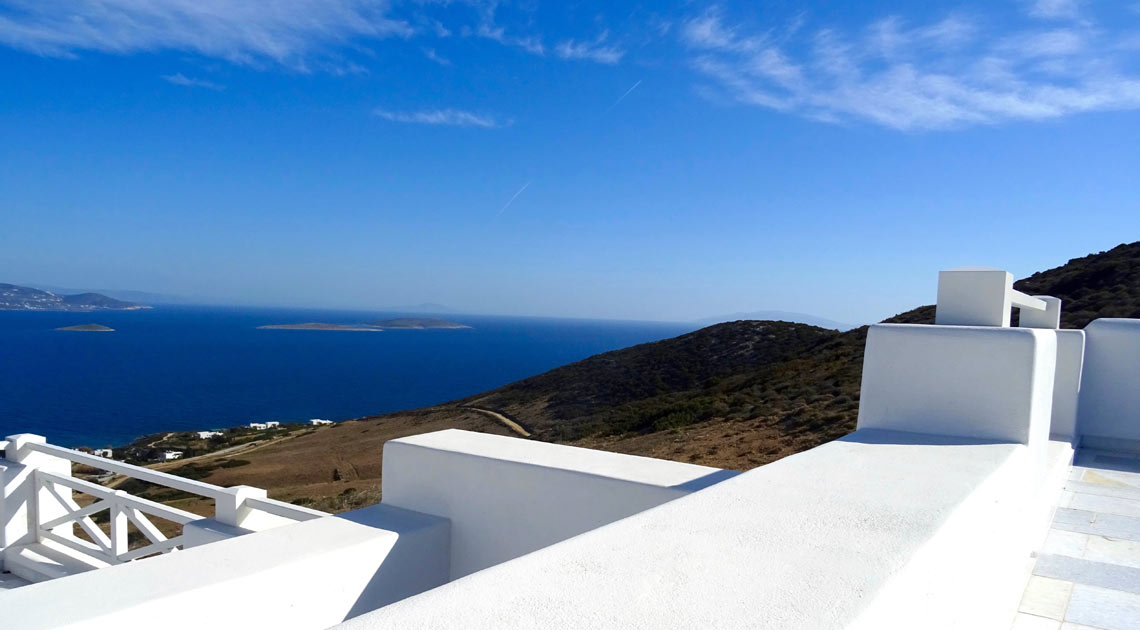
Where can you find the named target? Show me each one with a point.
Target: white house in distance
(977, 492)
(319, 421)
(169, 456)
(259, 426)
(102, 452)
(205, 435)
(272, 424)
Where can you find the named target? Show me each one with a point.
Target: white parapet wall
(1067, 385)
(923, 518)
(506, 497)
(304, 576)
(977, 382)
(1110, 387)
(840, 535)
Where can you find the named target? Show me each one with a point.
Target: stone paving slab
(1046, 597)
(1088, 572)
(1066, 543)
(1116, 551)
(1103, 608)
(1105, 505)
(1086, 522)
(1118, 491)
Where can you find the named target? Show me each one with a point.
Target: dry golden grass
(337, 467)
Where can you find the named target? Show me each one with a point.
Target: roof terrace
(955, 504)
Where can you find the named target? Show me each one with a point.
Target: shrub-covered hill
(797, 383)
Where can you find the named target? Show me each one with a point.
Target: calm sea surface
(185, 368)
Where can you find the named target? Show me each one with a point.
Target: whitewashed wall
(506, 497)
(975, 382)
(1110, 388)
(304, 576)
(1067, 385)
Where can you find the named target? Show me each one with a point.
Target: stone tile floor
(1087, 574)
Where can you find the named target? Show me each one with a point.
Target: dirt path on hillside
(507, 422)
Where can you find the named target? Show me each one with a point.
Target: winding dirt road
(510, 424)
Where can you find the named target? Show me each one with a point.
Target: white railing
(56, 516)
(135, 472)
(283, 509)
(124, 509)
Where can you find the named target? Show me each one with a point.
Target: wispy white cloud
(529, 43)
(1054, 9)
(294, 33)
(447, 117)
(595, 50)
(183, 80)
(434, 56)
(949, 73)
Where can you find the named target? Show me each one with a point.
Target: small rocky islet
(87, 328)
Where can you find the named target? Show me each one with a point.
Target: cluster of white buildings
(262, 426)
(933, 514)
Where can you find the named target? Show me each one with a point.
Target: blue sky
(645, 161)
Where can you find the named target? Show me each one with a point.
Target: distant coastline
(417, 323)
(401, 323)
(18, 298)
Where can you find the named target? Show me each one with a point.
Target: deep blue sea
(186, 368)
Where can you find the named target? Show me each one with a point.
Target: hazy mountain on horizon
(127, 295)
(20, 298)
(426, 307)
(787, 316)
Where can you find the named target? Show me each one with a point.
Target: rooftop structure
(955, 504)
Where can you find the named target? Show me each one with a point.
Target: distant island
(87, 328)
(402, 323)
(321, 326)
(417, 323)
(17, 298)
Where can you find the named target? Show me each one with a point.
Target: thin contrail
(622, 97)
(512, 200)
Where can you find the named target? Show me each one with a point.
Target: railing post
(119, 523)
(24, 502)
(230, 508)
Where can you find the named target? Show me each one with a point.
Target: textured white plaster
(304, 576)
(1110, 393)
(969, 381)
(1067, 384)
(507, 497)
(806, 542)
(1033, 622)
(974, 296)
